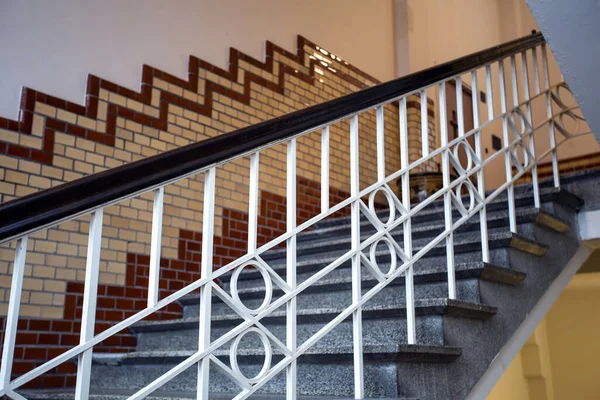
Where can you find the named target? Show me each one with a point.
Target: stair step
(388, 352)
(523, 198)
(428, 273)
(422, 307)
(464, 249)
(421, 234)
(62, 394)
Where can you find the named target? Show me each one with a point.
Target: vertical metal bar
(514, 80)
(459, 107)
(253, 202)
(490, 92)
(359, 391)
(12, 317)
(90, 297)
(536, 71)
(409, 277)
(155, 247)
(424, 124)
(526, 94)
(447, 195)
(208, 226)
(507, 162)
(485, 252)
(555, 170)
(325, 169)
(291, 307)
(380, 145)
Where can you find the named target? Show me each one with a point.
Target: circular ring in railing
(393, 257)
(515, 153)
(561, 89)
(464, 144)
(570, 130)
(268, 287)
(471, 195)
(390, 200)
(233, 352)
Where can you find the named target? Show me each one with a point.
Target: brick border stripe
(30, 96)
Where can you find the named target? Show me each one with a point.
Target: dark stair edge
(527, 245)
(552, 221)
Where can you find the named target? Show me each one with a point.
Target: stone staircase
(456, 339)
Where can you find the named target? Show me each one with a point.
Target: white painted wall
(51, 46)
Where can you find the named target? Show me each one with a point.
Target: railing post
(325, 170)
(555, 170)
(12, 317)
(512, 217)
(526, 94)
(447, 195)
(155, 247)
(359, 390)
(90, 297)
(208, 219)
(409, 277)
(291, 306)
(424, 124)
(485, 252)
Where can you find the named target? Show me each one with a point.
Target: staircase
(453, 336)
(413, 300)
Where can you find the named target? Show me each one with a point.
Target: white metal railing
(520, 126)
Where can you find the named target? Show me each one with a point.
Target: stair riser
(314, 378)
(375, 331)
(341, 295)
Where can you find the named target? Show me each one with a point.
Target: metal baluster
(356, 267)
(424, 124)
(291, 307)
(555, 170)
(490, 92)
(253, 202)
(526, 94)
(514, 80)
(380, 130)
(325, 170)
(507, 162)
(12, 318)
(459, 107)
(485, 252)
(409, 277)
(447, 194)
(204, 325)
(536, 71)
(155, 247)
(90, 297)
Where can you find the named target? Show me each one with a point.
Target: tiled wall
(55, 141)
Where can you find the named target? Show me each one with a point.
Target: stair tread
(435, 273)
(500, 238)
(522, 192)
(409, 352)
(524, 216)
(423, 307)
(61, 394)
